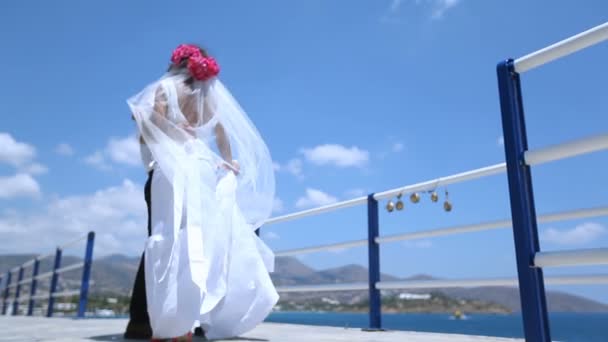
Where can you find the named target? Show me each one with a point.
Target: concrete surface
(40, 329)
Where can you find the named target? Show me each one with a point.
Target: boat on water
(458, 315)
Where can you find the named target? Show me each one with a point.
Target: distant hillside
(290, 271)
(115, 275)
(111, 274)
(509, 297)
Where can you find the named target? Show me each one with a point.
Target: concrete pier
(40, 329)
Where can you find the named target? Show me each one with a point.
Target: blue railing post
(86, 275)
(17, 291)
(373, 250)
(523, 213)
(33, 285)
(6, 292)
(3, 286)
(53, 288)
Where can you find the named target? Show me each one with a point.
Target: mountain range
(114, 274)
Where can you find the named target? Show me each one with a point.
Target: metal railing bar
(567, 149)
(70, 267)
(578, 257)
(562, 48)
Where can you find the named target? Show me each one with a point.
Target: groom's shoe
(138, 331)
(199, 332)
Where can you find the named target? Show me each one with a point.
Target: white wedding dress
(204, 264)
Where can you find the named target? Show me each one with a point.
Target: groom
(139, 321)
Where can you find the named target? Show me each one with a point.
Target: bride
(204, 264)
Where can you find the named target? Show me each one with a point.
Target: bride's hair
(183, 65)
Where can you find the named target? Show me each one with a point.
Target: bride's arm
(159, 114)
(223, 144)
(221, 138)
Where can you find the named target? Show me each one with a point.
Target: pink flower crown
(201, 67)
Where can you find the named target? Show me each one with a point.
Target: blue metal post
(2, 287)
(54, 278)
(373, 250)
(6, 292)
(523, 212)
(86, 275)
(33, 285)
(17, 291)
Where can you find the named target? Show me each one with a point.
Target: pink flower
(203, 68)
(184, 51)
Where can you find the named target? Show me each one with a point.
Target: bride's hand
(188, 129)
(234, 166)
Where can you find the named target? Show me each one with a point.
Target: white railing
(577, 257)
(562, 48)
(543, 259)
(447, 283)
(579, 279)
(566, 150)
(418, 187)
(423, 234)
(531, 157)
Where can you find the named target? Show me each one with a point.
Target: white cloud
(277, 205)
(117, 214)
(392, 13)
(119, 151)
(270, 235)
(15, 153)
(64, 149)
(337, 155)
(19, 155)
(396, 147)
(34, 169)
(315, 198)
(442, 6)
(438, 7)
(97, 160)
(19, 185)
(356, 192)
(579, 235)
(395, 5)
(294, 167)
(500, 141)
(124, 150)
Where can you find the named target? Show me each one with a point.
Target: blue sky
(351, 97)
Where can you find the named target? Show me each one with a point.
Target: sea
(567, 327)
